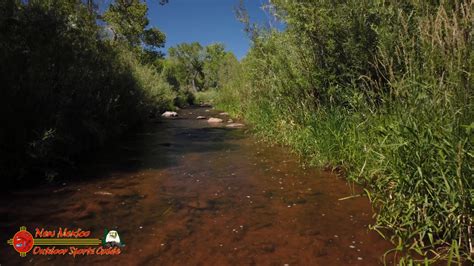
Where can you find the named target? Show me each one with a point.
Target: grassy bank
(383, 91)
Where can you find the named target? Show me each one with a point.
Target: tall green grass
(384, 92)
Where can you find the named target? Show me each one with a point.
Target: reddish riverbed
(184, 192)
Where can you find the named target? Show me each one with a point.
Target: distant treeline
(73, 78)
(383, 91)
(192, 70)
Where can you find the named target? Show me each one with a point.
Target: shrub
(64, 91)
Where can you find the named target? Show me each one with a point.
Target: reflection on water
(184, 192)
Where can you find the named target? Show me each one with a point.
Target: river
(186, 192)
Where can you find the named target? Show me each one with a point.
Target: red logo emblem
(22, 241)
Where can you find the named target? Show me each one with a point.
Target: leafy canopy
(128, 20)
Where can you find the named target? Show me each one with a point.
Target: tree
(190, 64)
(128, 19)
(190, 58)
(174, 73)
(153, 39)
(214, 58)
(228, 69)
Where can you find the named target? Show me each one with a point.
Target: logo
(22, 241)
(112, 239)
(65, 241)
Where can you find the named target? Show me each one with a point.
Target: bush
(184, 98)
(206, 97)
(65, 91)
(158, 94)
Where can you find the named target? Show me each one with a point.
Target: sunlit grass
(408, 142)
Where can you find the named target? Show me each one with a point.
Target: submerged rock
(214, 120)
(103, 193)
(198, 204)
(235, 125)
(169, 114)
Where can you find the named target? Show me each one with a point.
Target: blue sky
(205, 21)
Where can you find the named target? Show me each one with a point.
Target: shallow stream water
(186, 192)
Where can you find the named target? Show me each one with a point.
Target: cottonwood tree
(212, 63)
(129, 22)
(190, 58)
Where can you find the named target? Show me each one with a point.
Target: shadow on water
(157, 146)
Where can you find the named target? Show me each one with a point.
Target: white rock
(235, 125)
(214, 120)
(224, 113)
(230, 121)
(103, 193)
(169, 114)
(201, 117)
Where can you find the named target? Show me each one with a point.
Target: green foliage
(153, 37)
(214, 56)
(383, 90)
(228, 69)
(128, 20)
(192, 70)
(158, 93)
(184, 98)
(173, 73)
(129, 23)
(64, 90)
(205, 97)
(190, 59)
